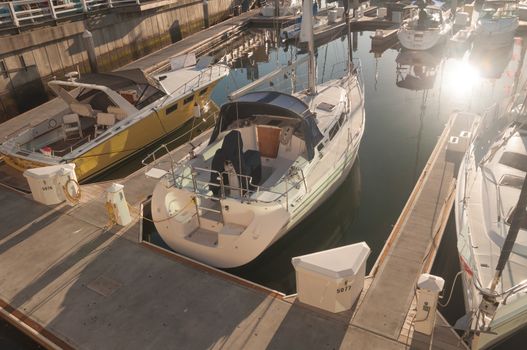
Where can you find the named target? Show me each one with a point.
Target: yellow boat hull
(130, 140)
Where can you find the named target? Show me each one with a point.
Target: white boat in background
(423, 27)
(271, 160)
(497, 23)
(488, 187)
(287, 8)
(321, 24)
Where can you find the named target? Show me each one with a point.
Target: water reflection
(416, 70)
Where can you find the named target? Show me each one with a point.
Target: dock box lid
(48, 171)
(336, 263)
(430, 282)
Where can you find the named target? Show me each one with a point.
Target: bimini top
(270, 108)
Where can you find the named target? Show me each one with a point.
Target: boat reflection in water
(491, 62)
(416, 70)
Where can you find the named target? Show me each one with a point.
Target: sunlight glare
(461, 78)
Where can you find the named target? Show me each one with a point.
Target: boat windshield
(512, 181)
(523, 223)
(514, 160)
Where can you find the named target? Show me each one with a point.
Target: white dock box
(46, 183)
(332, 279)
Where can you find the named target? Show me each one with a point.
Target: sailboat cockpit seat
(83, 110)
(104, 121)
(253, 166)
(245, 163)
(233, 149)
(71, 126)
(117, 112)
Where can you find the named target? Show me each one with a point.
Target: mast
(348, 34)
(306, 34)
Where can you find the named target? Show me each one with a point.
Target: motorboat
(112, 116)
(489, 183)
(423, 27)
(271, 160)
(287, 8)
(497, 23)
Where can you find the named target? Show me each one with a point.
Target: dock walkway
(413, 242)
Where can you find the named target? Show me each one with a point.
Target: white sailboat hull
(422, 40)
(269, 224)
(248, 228)
(480, 235)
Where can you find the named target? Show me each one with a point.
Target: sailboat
(271, 160)
(424, 27)
(491, 231)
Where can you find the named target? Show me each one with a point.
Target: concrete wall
(29, 59)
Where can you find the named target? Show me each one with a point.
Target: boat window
(512, 181)
(514, 160)
(171, 109)
(333, 131)
(341, 119)
(203, 92)
(523, 223)
(188, 99)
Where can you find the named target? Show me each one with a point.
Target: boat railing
(246, 191)
(157, 158)
(196, 82)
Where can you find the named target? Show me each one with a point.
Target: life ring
(75, 197)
